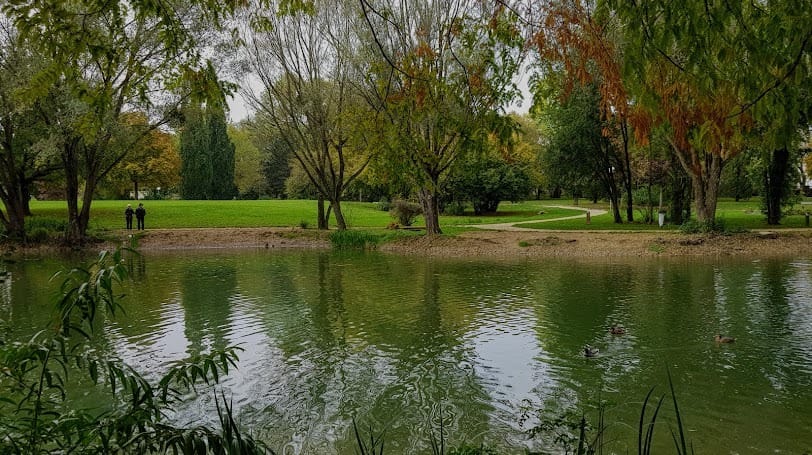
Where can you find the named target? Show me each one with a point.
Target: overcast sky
(239, 109)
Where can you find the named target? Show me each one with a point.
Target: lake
(490, 349)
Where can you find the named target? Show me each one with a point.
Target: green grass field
(107, 215)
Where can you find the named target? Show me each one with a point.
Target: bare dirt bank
(174, 239)
(502, 243)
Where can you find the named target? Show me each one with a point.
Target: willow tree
(309, 96)
(710, 73)
(444, 70)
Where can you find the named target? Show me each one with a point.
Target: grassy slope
(211, 214)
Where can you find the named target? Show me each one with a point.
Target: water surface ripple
(487, 350)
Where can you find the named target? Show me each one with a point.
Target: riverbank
(500, 243)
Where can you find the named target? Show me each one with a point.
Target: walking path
(512, 226)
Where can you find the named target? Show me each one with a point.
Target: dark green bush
(717, 226)
(405, 212)
(38, 235)
(693, 226)
(40, 230)
(454, 208)
(383, 205)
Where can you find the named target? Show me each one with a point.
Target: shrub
(405, 212)
(250, 194)
(455, 208)
(383, 205)
(718, 226)
(42, 229)
(695, 227)
(303, 224)
(37, 235)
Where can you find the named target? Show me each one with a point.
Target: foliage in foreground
(38, 416)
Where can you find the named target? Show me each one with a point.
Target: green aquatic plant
(39, 415)
(645, 431)
(353, 240)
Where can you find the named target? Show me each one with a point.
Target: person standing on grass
(128, 216)
(140, 213)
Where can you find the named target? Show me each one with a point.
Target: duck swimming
(720, 339)
(617, 330)
(589, 351)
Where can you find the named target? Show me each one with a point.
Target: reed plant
(353, 240)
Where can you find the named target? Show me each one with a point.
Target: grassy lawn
(107, 215)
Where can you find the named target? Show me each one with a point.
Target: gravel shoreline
(503, 243)
(477, 243)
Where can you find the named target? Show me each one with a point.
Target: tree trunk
(614, 196)
(25, 190)
(322, 218)
(135, 186)
(705, 170)
(341, 224)
(705, 185)
(12, 189)
(615, 209)
(677, 188)
(14, 218)
(775, 182)
(431, 211)
(75, 233)
(87, 201)
(627, 172)
(737, 183)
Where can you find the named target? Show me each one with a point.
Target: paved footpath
(513, 226)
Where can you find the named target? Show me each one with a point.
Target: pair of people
(139, 213)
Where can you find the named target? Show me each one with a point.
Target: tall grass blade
(644, 437)
(581, 436)
(375, 446)
(682, 447)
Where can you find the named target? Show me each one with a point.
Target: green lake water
(493, 348)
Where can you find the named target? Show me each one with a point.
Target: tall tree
(276, 163)
(572, 42)
(247, 162)
(310, 97)
(444, 71)
(577, 152)
(221, 151)
(195, 169)
(104, 59)
(207, 154)
(527, 150)
(710, 72)
(27, 150)
(153, 163)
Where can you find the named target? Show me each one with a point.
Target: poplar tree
(221, 151)
(195, 168)
(207, 155)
